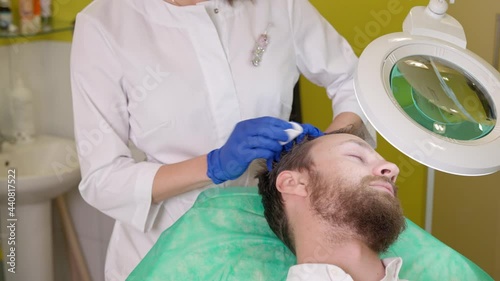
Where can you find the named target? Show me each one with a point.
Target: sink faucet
(6, 138)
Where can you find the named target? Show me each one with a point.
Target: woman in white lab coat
(174, 77)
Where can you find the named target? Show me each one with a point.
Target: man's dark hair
(297, 159)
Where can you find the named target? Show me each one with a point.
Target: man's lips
(385, 186)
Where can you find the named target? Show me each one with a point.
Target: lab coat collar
(171, 15)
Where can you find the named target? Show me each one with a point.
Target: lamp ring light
(430, 97)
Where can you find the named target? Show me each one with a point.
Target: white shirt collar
(328, 272)
(392, 268)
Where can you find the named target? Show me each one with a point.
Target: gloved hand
(307, 130)
(251, 139)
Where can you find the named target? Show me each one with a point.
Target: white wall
(44, 67)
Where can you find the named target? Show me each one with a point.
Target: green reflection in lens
(442, 98)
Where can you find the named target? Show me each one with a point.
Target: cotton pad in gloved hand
(308, 130)
(251, 139)
(292, 133)
(296, 134)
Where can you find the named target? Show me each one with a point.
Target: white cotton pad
(292, 133)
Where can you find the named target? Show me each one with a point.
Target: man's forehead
(337, 139)
(339, 142)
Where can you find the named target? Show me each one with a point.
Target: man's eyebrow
(359, 143)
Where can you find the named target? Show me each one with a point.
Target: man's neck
(351, 255)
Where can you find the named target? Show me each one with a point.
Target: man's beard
(359, 212)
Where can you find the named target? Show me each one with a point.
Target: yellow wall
(360, 23)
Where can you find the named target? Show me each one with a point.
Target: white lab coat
(175, 80)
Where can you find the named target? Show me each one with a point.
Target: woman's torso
(189, 79)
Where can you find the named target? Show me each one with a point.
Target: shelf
(55, 27)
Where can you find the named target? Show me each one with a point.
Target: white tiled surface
(58, 88)
(44, 67)
(93, 230)
(92, 255)
(86, 216)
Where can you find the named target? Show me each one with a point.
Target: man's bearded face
(372, 215)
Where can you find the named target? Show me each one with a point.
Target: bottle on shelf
(46, 12)
(5, 15)
(29, 15)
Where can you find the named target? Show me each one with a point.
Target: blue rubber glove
(308, 130)
(251, 139)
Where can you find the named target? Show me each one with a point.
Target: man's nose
(387, 169)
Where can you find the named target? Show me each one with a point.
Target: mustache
(367, 179)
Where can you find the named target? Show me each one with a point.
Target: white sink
(45, 168)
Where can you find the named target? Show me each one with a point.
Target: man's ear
(292, 183)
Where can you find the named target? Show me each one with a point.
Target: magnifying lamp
(430, 97)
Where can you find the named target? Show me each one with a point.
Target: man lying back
(332, 201)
